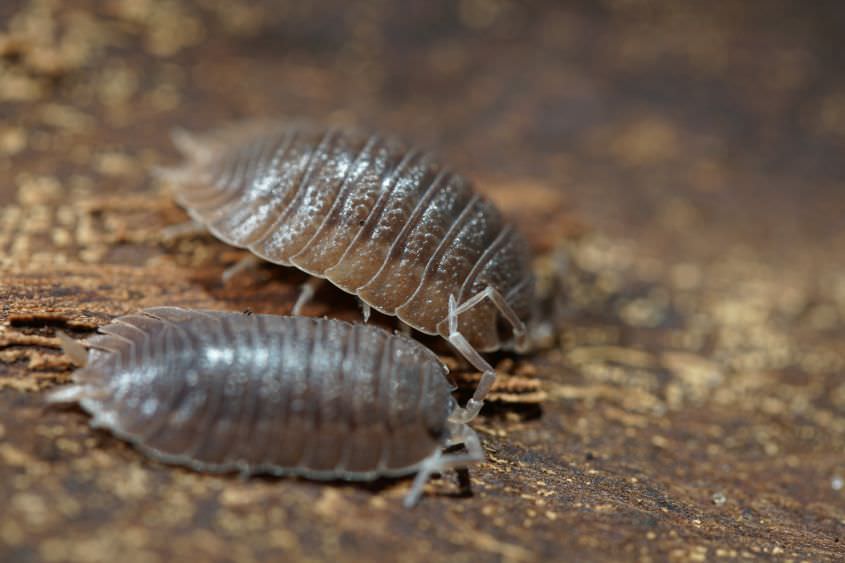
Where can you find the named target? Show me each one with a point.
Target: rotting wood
(689, 399)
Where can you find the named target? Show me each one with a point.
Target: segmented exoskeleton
(379, 220)
(319, 398)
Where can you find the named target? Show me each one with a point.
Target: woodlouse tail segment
(182, 230)
(197, 152)
(67, 394)
(172, 174)
(86, 382)
(190, 145)
(72, 348)
(439, 462)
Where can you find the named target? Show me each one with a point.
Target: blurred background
(724, 116)
(677, 167)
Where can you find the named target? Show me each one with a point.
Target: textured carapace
(377, 219)
(319, 398)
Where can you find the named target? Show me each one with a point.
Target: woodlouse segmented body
(318, 398)
(381, 221)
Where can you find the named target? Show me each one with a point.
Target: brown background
(677, 166)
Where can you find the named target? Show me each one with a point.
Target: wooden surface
(678, 168)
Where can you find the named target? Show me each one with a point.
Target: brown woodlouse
(265, 394)
(377, 219)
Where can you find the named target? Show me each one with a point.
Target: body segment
(266, 394)
(385, 222)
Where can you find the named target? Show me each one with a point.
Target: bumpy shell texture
(379, 220)
(265, 394)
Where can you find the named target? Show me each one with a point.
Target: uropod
(382, 221)
(266, 394)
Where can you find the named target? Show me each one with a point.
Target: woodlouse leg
(187, 229)
(365, 310)
(491, 293)
(306, 293)
(488, 374)
(248, 262)
(405, 329)
(439, 462)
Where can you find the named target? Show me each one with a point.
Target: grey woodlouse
(317, 398)
(377, 219)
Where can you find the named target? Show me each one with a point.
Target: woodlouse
(225, 391)
(377, 219)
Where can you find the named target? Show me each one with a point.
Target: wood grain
(677, 167)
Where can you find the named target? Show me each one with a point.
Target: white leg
(440, 462)
(306, 293)
(488, 374)
(365, 311)
(248, 262)
(428, 467)
(187, 229)
(493, 294)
